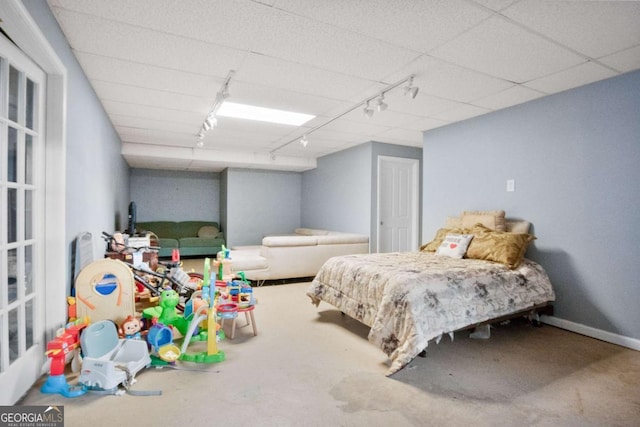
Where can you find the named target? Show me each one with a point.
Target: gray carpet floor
(313, 366)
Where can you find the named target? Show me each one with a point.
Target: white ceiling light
(410, 89)
(250, 112)
(368, 111)
(381, 105)
(304, 141)
(210, 122)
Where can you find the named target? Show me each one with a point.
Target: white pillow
(454, 245)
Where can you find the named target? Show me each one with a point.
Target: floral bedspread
(410, 298)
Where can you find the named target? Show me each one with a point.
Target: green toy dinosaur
(166, 312)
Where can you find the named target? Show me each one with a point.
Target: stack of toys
(168, 333)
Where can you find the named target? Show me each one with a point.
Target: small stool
(248, 314)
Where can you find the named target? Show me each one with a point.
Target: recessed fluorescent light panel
(250, 112)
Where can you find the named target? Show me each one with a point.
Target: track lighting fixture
(212, 121)
(410, 89)
(368, 111)
(381, 105)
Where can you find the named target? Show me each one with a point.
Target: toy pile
(109, 342)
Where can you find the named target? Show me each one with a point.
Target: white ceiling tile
(626, 60)
(495, 4)
(153, 112)
(449, 81)
(573, 77)
(215, 21)
(114, 70)
(123, 41)
(399, 134)
(462, 112)
(422, 105)
(151, 97)
(303, 40)
(595, 28)
(426, 124)
(145, 123)
(291, 76)
(155, 137)
(382, 118)
(355, 127)
(424, 24)
(335, 137)
(502, 49)
(516, 94)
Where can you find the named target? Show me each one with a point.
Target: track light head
(304, 141)
(381, 105)
(368, 111)
(225, 92)
(210, 122)
(410, 89)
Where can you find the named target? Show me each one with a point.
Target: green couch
(193, 238)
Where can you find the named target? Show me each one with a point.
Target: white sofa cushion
(243, 261)
(342, 238)
(311, 232)
(290, 241)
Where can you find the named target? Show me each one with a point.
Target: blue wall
(575, 158)
(175, 195)
(260, 203)
(341, 194)
(337, 194)
(97, 177)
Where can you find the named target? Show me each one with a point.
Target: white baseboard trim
(599, 334)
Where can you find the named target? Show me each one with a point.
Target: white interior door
(22, 89)
(398, 209)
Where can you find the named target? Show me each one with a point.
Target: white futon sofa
(297, 255)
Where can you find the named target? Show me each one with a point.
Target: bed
(411, 298)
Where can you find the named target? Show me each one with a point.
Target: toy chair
(108, 360)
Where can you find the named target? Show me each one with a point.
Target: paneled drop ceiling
(157, 65)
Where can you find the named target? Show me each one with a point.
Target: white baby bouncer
(108, 360)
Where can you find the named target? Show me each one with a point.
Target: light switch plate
(511, 185)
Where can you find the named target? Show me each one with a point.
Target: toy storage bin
(108, 360)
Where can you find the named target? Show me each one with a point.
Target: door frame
(19, 25)
(415, 197)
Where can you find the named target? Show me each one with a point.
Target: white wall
(575, 158)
